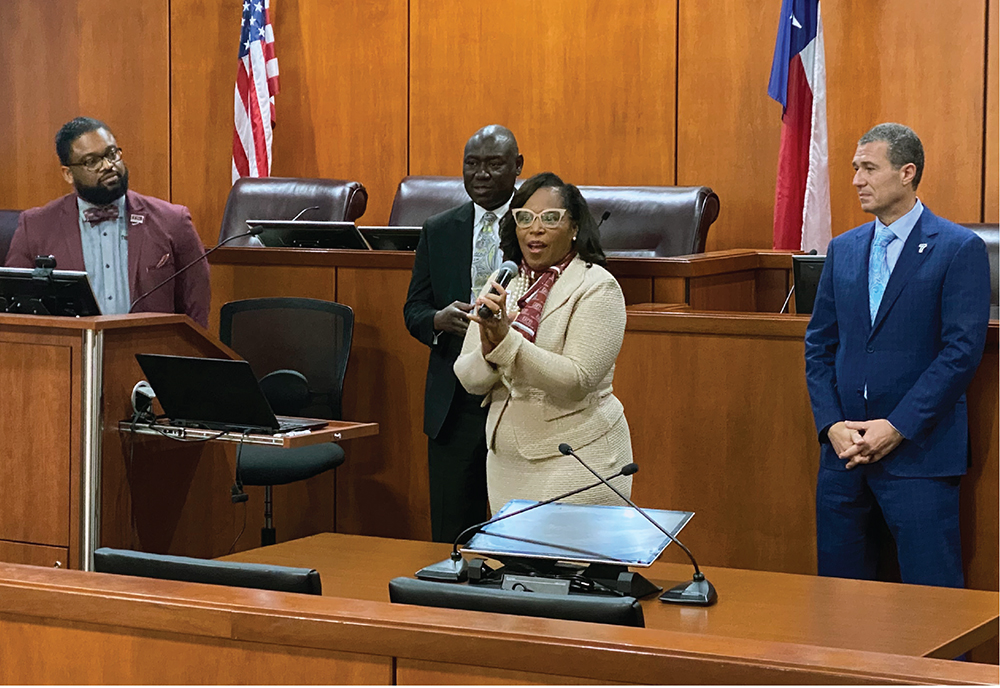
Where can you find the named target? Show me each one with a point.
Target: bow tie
(100, 214)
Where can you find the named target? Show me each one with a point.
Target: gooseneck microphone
(605, 216)
(254, 231)
(507, 272)
(699, 591)
(455, 568)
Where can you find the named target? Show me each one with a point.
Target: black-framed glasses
(96, 162)
(550, 218)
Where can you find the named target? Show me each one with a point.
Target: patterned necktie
(484, 254)
(100, 214)
(878, 268)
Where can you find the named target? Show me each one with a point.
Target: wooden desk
(911, 620)
(125, 630)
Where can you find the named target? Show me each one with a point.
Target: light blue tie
(878, 268)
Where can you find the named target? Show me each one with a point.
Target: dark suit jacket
(161, 240)
(920, 354)
(442, 273)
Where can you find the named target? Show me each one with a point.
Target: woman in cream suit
(546, 360)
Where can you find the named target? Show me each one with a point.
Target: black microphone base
(697, 593)
(452, 570)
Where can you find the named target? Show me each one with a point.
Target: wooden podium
(72, 481)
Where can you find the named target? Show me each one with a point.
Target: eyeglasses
(96, 162)
(549, 218)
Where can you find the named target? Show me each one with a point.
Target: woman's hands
(492, 330)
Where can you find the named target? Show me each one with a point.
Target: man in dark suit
(457, 252)
(896, 335)
(127, 243)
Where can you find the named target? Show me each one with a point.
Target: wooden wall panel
(917, 62)
(991, 173)
(36, 382)
(728, 129)
(587, 87)
(65, 58)
(341, 111)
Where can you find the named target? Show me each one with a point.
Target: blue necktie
(878, 268)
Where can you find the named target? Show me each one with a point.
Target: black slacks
(457, 465)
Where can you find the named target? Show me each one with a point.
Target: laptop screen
(215, 393)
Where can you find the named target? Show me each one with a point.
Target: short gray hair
(904, 146)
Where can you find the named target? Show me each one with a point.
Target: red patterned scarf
(533, 301)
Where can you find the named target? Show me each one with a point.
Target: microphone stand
(699, 591)
(254, 231)
(455, 568)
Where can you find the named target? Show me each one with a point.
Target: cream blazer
(557, 389)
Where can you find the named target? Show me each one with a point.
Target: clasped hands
(863, 441)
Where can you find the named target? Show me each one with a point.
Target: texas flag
(798, 82)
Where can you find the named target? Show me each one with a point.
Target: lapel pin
(137, 219)
(921, 247)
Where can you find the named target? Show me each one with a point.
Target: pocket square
(163, 260)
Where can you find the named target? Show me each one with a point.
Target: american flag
(798, 82)
(256, 86)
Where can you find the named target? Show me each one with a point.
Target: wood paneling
(917, 62)
(587, 87)
(37, 382)
(728, 129)
(341, 112)
(382, 488)
(991, 172)
(65, 58)
(34, 555)
(411, 672)
(913, 62)
(97, 655)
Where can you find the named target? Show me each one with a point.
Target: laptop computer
(214, 393)
(391, 238)
(309, 234)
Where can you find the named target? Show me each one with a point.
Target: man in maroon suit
(126, 242)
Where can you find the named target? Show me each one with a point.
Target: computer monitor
(49, 292)
(235, 574)
(309, 234)
(391, 238)
(620, 611)
(806, 271)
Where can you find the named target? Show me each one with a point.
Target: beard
(101, 194)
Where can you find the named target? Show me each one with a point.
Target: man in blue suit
(896, 334)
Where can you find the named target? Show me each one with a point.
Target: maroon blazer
(161, 240)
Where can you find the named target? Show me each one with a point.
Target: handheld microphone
(455, 568)
(699, 591)
(253, 231)
(508, 270)
(785, 304)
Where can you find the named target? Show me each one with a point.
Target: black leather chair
(299, 349)
(282, 198)
(645, 221)
(8, 223)
(990, 233)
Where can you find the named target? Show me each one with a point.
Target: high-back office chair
(990, 233)
(298, 348)
(645, 221)
(282, 198)
(8, 223)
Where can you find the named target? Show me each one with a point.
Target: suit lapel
(134, 208)
(859, 263)
(564, 288)
(69, 231)
(459, 262)
(911, 258)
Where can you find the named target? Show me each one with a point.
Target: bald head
(491, 165)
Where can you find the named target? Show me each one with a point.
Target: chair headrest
(282, 198)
